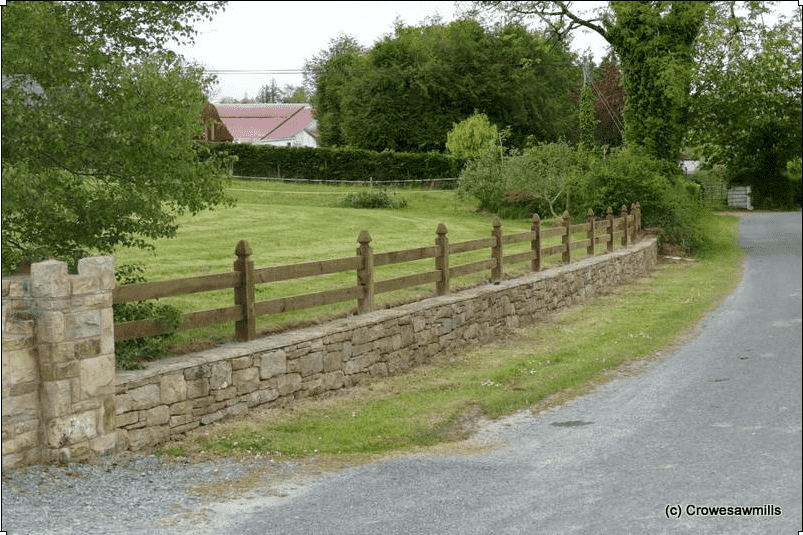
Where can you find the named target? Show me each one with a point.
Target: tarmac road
(681, 447)
(691, 445)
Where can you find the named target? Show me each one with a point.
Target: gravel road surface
(705, 440)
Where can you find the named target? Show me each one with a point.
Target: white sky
(274, 39)
(281, 36)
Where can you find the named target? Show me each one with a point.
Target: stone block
(204, 371)
(50, 328)
(220, 375)
(144, 397)
(172, 388)
(56, 398)
(189, 426)
(23, 406)
(122, 439)
(197, 388)
(103, 444)
(273, 363)
(332, 361)
(126, 419)
(100, 268)
(332, 380)
(245, 377)
(183, 407)
(19, 366)
(311, 364)
(239, 409)
(380, 369)
(209, 418)
(158, 415)
(225, 393)
(139, 439)
(259, 397)
(289, 383)
(107, 331)
(87, 348)
(241, 362)
(83, 324)
(180, 419)
(95, 374)
(49, 279)
(20, 442)
(71, 429)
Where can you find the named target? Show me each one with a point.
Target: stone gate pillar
(73, 345)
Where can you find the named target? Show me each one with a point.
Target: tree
(410, 88)
(295, 95)
(269, 94)
(471, 137)
(654, 42)
(98, 125)
(746, 105)
(326, 75)
(586, 118)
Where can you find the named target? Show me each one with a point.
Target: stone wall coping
(278, 341)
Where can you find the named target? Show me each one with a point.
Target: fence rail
(244, 277)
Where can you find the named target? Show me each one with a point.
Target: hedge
(339, 164)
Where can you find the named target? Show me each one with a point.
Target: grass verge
(562, 357)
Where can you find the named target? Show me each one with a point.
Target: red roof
(249, 123)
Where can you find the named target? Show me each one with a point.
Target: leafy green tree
(655, 43)
(327, 75)
(471, 137)
(746, 106)
(98, 125)
(295, 95)
(409, 89)
(586, 118)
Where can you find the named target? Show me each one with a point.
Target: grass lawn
(552, 361)
(287, 223)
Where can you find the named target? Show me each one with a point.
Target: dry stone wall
(181, 393)
(63, 399)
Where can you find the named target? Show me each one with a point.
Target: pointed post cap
(364, 237)
(242, 249)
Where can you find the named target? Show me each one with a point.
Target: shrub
(128, 353)
(373, 198)
(485, 178)
(667, 199)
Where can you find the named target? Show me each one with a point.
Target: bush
(667, 199)
(373, 198)
(129, 353)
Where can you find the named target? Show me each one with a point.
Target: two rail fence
(242, 279)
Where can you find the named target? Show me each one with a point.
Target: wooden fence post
(496, 250)
(567, 221)
(245, 329)
(624, 225)
(442, 260)
(536, 243)
(611, 228)
(590, 234)
(365, 275)
(638, 218)
(633, 213)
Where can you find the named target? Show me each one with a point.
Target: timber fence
(610, 230)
